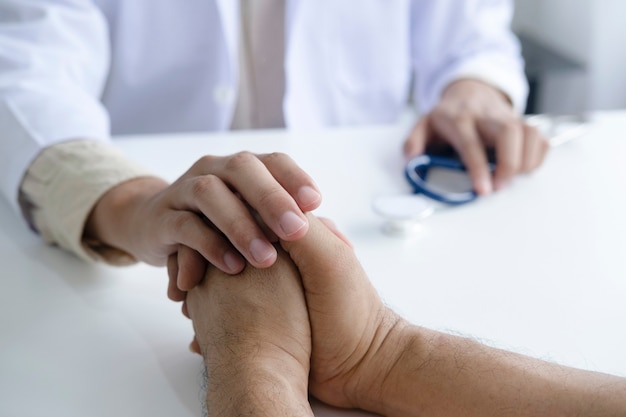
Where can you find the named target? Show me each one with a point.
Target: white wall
(607, 57)
(563, 24)
(590, 31)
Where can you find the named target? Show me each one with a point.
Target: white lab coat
(96, 68)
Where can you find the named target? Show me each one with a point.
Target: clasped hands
(275, 322)
(313, 323)
(204, 217)
(310, 323)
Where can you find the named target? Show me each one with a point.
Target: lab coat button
(223, 95)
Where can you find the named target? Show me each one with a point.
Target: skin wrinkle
(383, 380)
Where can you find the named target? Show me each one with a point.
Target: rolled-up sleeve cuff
(61, 188)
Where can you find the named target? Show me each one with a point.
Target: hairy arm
(437, 374)
(365, 356)
(257, 332)
(254, 334)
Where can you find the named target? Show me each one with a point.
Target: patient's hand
(258, 321)
(253, 331)
(356, 338)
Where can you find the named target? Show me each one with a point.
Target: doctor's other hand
(207, 215)
(472, 117)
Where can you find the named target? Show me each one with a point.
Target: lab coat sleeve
(54, 58)
(84, 170)
(453, 39)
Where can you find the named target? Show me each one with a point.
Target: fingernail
(307, 196)
(499, 184)
(485, 187)
(291, 223)
(261, 250)
(233, 262)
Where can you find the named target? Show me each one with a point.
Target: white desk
(539, 268)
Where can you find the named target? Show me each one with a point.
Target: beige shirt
(66, 180)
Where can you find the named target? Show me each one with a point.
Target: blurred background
(575, 53)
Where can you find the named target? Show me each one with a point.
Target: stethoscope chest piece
(403, 213)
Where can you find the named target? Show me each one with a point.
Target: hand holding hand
(356, 339)
(205, 215)
(262, 314)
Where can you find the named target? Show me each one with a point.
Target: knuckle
(276, 157)
(507, 168)
(506, 129)
(469, 147)
(214, 247)
(271, 197)
(513, 127)
(204, 163)
(531, 131)
(238, 234)
(240, 160)
(463, 117)
(205, 185)
(180, 220)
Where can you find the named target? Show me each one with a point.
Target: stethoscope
(404, 212)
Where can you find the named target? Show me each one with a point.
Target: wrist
(376, 376)
(113, 220)
(260, 387)
(470, 88)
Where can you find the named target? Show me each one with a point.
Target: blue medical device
(559, 130)
(417, 172)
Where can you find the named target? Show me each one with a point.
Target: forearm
(443, 375)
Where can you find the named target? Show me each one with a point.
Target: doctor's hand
(472, 117)
(207, 215)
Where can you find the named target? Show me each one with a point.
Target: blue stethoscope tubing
(417, 171)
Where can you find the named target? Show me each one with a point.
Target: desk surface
(538, 268)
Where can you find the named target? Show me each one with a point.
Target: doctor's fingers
(185, 268)
(235, 223)
(191, 268)
(271, 185)
(462, 133)
(173, 292)
(536, 147)
(195, 238)
(416, 143)
(274, 174)
(506, 136)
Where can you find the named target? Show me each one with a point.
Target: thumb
(416, 142)
(327, 264)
